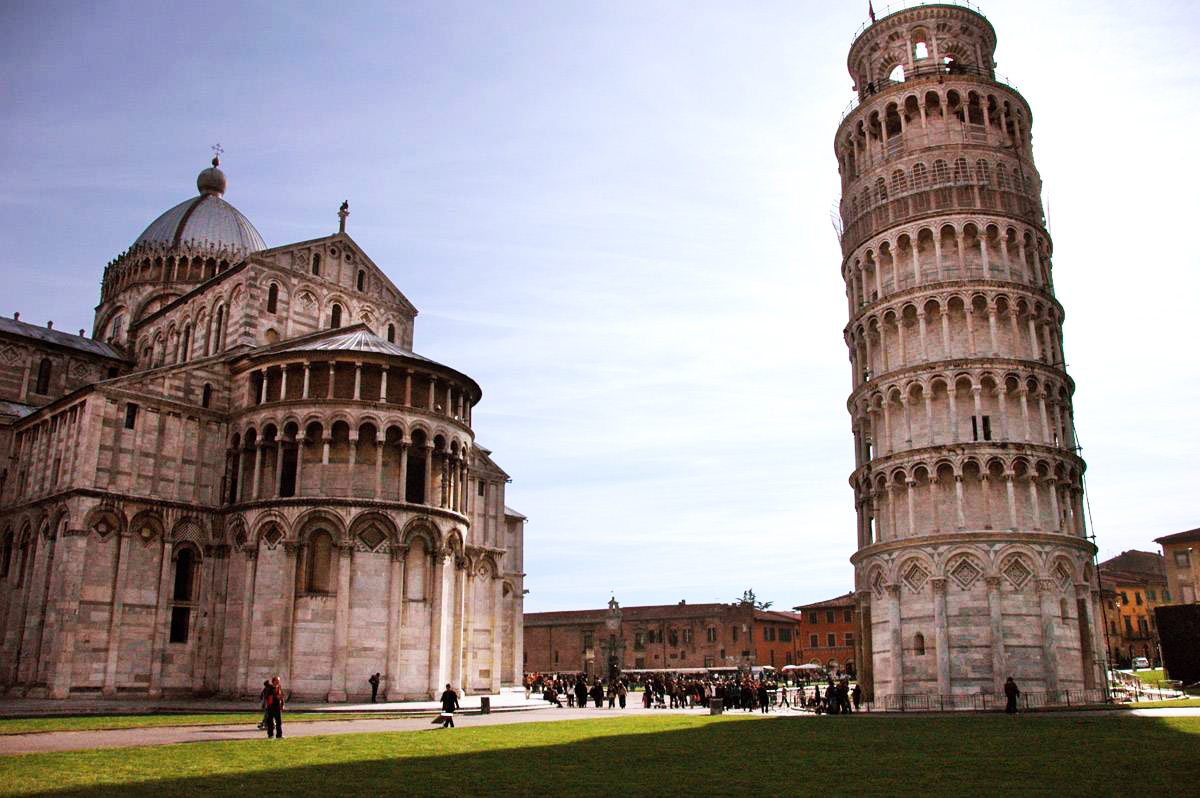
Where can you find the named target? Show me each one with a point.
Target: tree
(748, 599)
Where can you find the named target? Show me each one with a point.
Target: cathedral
(246, 471)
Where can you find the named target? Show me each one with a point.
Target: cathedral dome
(205, 220)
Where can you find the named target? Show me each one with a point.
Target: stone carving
(964, 572)
(914, 577)
(1016, 572)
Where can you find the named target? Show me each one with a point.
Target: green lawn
(659, 756)
(102, 722)
(1150, 675)
(1185, 702)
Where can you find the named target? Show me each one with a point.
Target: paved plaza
(507, 709)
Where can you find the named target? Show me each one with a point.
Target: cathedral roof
(355, 339)
(205, 220)
(47, 335)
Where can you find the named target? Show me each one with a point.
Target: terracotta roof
(1146, 563)
(777, 616)
(1191, 536)
(647, 613)
(840, 601)
(58, 338)
(15, 409)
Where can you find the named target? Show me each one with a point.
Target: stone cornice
(988, 536)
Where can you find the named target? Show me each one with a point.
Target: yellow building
(1181, 552)
(1132, 584)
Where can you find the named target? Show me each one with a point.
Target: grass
(661, 757)
(105, 722)
(1151, 675)
(1184, 702)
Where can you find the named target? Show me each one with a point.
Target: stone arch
(315, 516)
(147, 526)
(423, 528)
(373, 530)
(189, 529)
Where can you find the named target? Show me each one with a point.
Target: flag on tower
(871, 10)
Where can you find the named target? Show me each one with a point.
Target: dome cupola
(206, 221)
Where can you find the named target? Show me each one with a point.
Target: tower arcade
(973, 562)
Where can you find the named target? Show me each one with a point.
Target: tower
(972, 562)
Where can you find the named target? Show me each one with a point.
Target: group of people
(681, 691)
(271, 701)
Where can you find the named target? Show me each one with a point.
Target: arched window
(362, 279)
(919, 644)
(43, 377)
(318, 564)
(391, 336)
(316, 264)
(920, 176)
(899, 183)
(881, 194)
(206, 395)
(185, 344)
(272, 298)
(960, 170)
(335, 315)
(185, 571)
(1002, 177)
(183, 594)
(941, 175)
(983, 173)
(218, 326)
(5, 556)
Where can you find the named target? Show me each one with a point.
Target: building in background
(247, 471)
(973, 561)
(829, 633)
(670, 636)
(1132, 584)
(1181, 554)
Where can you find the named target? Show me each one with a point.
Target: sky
(615, 216)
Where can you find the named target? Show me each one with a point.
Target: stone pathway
(170, 735)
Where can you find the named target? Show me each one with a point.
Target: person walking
(1011, 691)
(274, 702)
(598, 694)
(856, 695)
(622, 690)
(581, 692)
(764, 698)
(449, 704)
(374, 682)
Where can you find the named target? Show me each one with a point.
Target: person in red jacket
(274, 705)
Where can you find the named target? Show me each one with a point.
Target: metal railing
(894, 8)
(984, 702)
(953, 69)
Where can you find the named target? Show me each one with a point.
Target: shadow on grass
(974, 755)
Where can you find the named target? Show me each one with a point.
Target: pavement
(43, 742)
(534, 711)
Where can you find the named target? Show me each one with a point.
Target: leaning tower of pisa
(972, 562)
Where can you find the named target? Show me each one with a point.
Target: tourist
(449, 704)
(612, 695)
(621, 692)
(647, 696)
(581, 691)
(262, 704)
(374, 682)
(1011, 691)
(783, 696)
(764, 698)
(598, 694)
(856, 694)
(274, 702)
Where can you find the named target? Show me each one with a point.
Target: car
(1140, 662)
